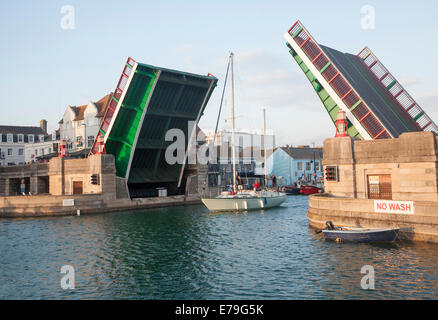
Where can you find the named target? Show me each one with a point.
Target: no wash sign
(388, 206)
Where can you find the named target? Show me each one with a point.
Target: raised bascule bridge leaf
(147, 102)
(376, 104)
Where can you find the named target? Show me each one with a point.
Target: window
(379, 187)
(20, 138)
(42, 152)
(90, 141)
(317, 166)
(9, 152)
(300, 165)
(331, 173)
(79, 141)
(308, 166)
(36, 152)
(30, 138)
(41, 138)
(10, 138)
(20, 152)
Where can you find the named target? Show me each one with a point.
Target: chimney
(43, 125)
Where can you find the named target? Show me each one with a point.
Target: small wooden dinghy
(359, 234)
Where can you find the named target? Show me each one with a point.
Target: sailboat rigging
(243, 200)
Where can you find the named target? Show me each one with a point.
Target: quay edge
(50, 206)
(421, 226)
(365, 181)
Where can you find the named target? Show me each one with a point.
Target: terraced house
(13, 140)
(80, 124)
(293, 165)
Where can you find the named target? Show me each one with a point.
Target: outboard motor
(330, 225)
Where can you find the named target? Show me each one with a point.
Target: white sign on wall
(389, 206)
(68, 202)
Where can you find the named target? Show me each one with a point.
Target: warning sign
(388, 206)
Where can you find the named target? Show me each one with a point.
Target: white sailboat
(244, 200)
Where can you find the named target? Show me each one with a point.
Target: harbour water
(188, 253)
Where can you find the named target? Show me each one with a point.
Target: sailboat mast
(233, 124)
(264, 146)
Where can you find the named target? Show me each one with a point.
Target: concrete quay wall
(350, 212)
(49, 205)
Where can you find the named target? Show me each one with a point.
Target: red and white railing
(113, 103)
(396, 91)
(337, 81)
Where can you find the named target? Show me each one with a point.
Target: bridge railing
(396, 90)
(337, 81)
(113, 103)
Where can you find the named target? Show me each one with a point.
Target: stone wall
(48, 205)
(63, 173)
(36, 176)
(411, 160)
(122, 191)
(420, 226)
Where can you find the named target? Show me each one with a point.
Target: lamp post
(341, 125)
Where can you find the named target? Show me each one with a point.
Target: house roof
(101, 106)
(79, 111)
(21, 130)
(303, 153)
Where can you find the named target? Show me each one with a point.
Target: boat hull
(292, 190)
(308, 190)
(383, 235)
(243, 204)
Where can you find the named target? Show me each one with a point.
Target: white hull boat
(245, 201)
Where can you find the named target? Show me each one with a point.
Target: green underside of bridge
(165, 99)
(329, 104)
(122, 136)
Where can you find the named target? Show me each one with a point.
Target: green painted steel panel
(391, 85)
(177, 98)
(325, 67)
(297, 32)
(122, 136)
(329, 104)
(418, 116)
(355, 105)
(156, 100)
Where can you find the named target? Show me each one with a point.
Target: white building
(243, 139)
(14, 139)
(79, 125)
(49, 146)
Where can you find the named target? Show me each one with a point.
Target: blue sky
(45, 68)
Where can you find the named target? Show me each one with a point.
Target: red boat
(308, 189)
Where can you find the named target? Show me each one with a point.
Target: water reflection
(189, 253)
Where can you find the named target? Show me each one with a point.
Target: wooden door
(379, 186)
(77, 187)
